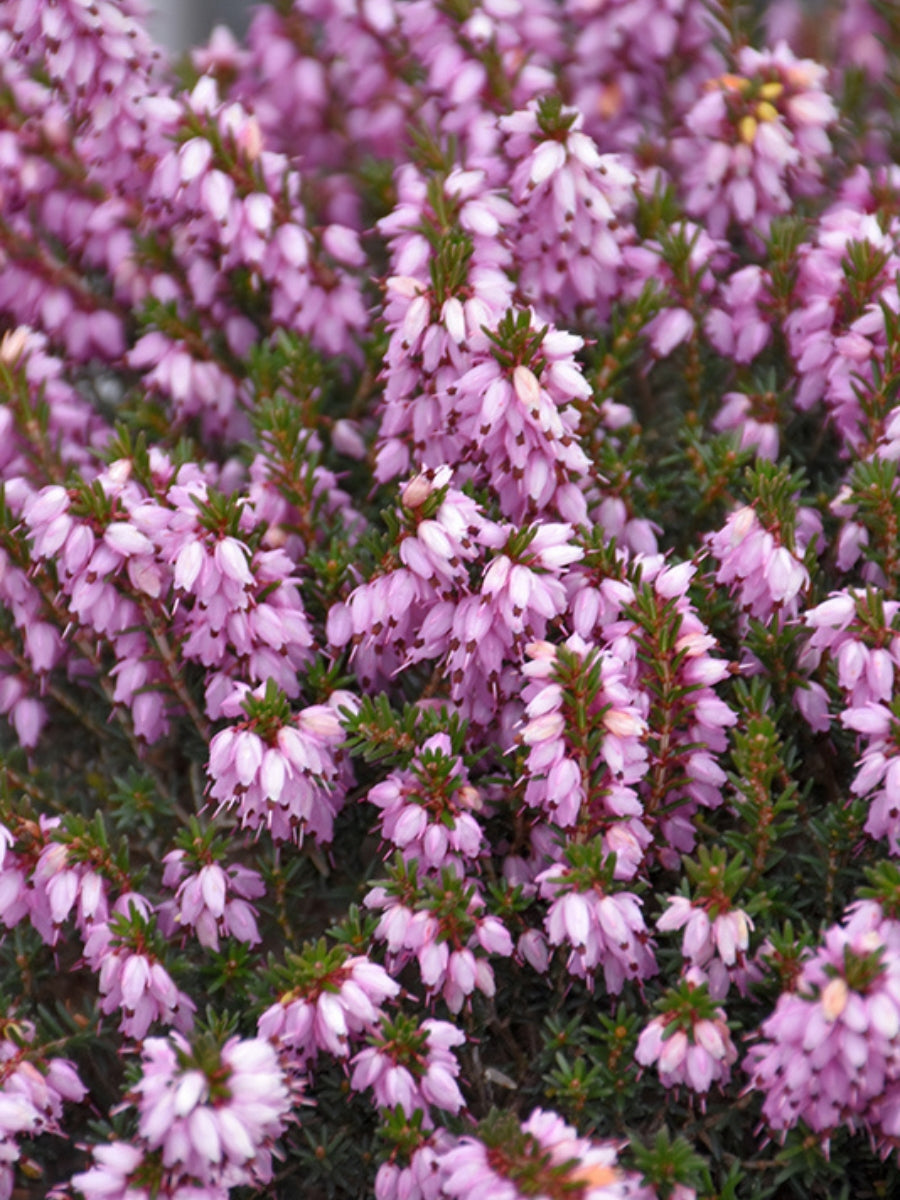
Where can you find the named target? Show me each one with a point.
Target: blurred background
(180, 24)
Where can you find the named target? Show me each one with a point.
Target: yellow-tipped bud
(771, 91)
(747, 129)
(766, 111)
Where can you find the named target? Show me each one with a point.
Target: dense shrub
(449, 618)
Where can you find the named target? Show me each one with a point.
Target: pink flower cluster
(82, 84)
(130, 975)
(557, 785)
(290, 777)
(756, 140)
(41, 881)
(715, 942)
(438, 602)
(617, 68)
(414, 1068)
(766, 572)
(208, 1116)
(689, 1042)
(753, 417)
(383, 387)
(427, 811)
(33, 1090)
(560, 181)
(682, 269)
(239, 612)
(836, 330)
(829, 1055)
(739, 326)
(442, 924)
(604, 928)
(213, 901)
(544, 1152)
(623, 616)
(336, 1000)
(859, 638)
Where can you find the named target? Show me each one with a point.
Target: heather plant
(450, 602)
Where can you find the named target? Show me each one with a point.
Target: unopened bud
(622, 724)
(834, 999)
(527, 387)
(416, 491)
(747, 127)
(12, 345)
(250, 139)
(469, 797)
(540, 650)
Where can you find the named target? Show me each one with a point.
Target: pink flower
(335, 996)
(541, 1156)
(755, 139)
(212, 1112)
(603, 927)
(739, 327)
(829, 1052)
(214, 901)
(689, 1042)
(411, 1066)
(765, 573)
(748, 416)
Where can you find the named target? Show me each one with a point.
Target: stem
(281, 912)
(890, 550)
(173, 673)
(692, 374)
(8, 644)
(27, 785)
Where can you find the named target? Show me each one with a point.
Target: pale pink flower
(546, 1152)
(603, 928)
(345, 999)
(755, 139)
(213, 1113)
(213, 902)
(415, 1071)
(829, 1052)
(689, 1042)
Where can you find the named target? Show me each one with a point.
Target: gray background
(181, 24)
